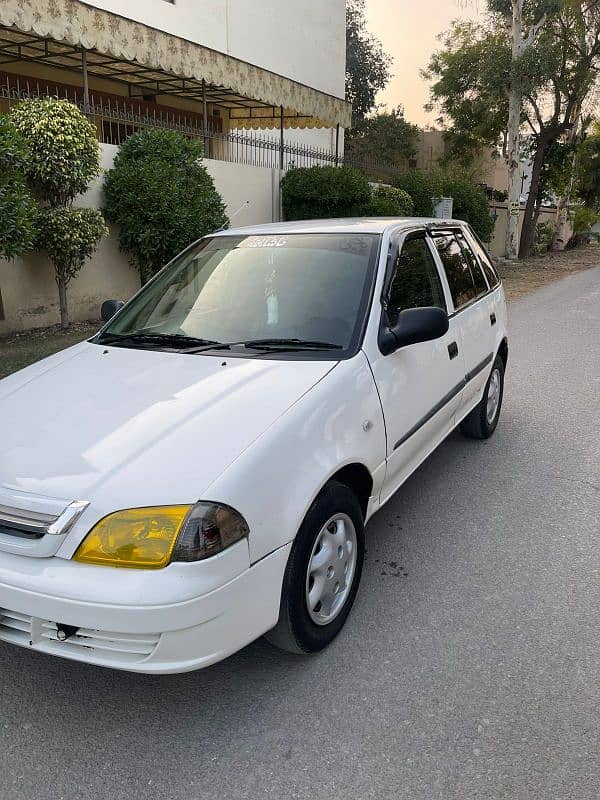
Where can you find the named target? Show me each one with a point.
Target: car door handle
(452, 350)
(492, 318)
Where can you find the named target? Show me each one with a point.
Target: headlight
(151, 538)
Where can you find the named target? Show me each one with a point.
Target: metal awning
(153, 62)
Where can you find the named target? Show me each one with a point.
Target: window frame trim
(397, 242)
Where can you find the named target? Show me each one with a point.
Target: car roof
(350, 225)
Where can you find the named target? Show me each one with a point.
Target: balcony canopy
(56, 32)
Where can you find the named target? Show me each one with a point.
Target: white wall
(301, 39)
(27, 286)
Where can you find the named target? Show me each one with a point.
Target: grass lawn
(20, 349)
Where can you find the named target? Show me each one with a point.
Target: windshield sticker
(265, 241)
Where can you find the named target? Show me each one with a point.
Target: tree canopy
(472, 73)
(384, 136)
(367, 64)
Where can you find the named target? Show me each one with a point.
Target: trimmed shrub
(17, 209)
(387, 201)
(421, 187)
(583, 220)
(544, 236)
(161, 197)
(324, 192)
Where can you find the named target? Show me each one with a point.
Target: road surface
(470, 666)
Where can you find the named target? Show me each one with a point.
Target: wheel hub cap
(493, 396)
(331, 569)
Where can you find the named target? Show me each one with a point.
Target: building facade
(262, 84)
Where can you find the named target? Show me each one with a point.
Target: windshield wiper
(178, 340)
(275, 345)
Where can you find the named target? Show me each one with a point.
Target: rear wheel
(323, 572)
(481, 422)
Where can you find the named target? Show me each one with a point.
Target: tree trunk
(528, 229)
(562, 211)
(62, 301)
(514, 136)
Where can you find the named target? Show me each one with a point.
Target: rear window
(456, 267)
(485, 261)
(478, 279)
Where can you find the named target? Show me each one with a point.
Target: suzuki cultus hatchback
(200, 472)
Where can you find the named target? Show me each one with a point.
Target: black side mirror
(110, 308)
(412, 326)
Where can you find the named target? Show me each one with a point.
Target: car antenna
(235, 213)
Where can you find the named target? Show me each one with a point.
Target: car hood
(123, 428)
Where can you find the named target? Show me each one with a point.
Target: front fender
(274, 482)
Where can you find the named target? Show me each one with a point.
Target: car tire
(322, 574)
(483, 419)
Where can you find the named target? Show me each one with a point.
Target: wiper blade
(178, 340)
(276, 345)
(300, 344)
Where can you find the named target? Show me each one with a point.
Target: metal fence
(116, 118)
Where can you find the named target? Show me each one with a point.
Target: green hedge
(324, 192)
(470, 201)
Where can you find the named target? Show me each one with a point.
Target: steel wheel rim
(493, 396)
(331, 569)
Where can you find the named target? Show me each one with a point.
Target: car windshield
(261, 292)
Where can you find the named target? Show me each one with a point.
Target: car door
(471, 311)
(419, 385)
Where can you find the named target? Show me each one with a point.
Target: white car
(200, 472)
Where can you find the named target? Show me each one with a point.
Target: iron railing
(116, 118)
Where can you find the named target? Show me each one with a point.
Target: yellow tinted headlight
(141, 538)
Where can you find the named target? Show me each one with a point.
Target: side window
(457, 269)
(478, 279)
(416, 282)
(485, 261)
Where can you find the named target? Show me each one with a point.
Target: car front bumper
(137, 620)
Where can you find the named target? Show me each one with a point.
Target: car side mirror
(412, 326)
(110, 308)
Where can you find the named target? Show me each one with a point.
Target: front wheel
(482, 421)
(323, 572)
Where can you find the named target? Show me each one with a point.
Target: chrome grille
(86, 644)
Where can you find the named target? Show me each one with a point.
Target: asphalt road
(470, 666)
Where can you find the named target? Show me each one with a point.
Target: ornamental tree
(161, 197)
(69, 236)
(64, 155)
(17, 209)
(63, 158)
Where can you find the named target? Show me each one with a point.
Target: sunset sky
(408, 30)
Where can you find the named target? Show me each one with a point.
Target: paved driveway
(469, 668)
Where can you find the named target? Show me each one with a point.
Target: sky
(408, 30)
